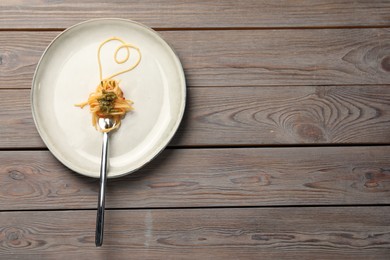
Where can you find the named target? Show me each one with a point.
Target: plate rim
(155, 152)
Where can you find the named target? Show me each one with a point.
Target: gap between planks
(213, 28)
(203, 207)
(238, 146)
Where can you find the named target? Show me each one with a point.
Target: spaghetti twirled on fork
(108, 99)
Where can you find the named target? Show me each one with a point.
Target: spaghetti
(108, 99)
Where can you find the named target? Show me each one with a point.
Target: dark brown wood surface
(283, 152)
(49, 14)
(241, 57)
(207, 178)
(239, 233)
(225, 116)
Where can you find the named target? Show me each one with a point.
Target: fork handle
(102, 194)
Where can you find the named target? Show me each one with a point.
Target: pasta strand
(108, 99)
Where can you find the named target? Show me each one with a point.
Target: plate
(68, 72)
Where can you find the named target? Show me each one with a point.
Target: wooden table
(284, 151)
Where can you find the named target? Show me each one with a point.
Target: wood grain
(286, 115)
(240, 57)
(260, 73)
(247, 233)
(197, 14)
(224, 116)
(206, 178)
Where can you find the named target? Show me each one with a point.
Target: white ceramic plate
(68, 72)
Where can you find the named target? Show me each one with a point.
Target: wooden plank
(198, 14)
(248, 233)
(240, 58)
(223, 116)
(206, 177)
(19, 129)
(286, 115)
